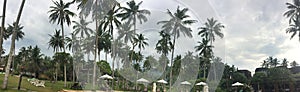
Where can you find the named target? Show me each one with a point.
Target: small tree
(294, 64)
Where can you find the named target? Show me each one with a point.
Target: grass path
(26, 86)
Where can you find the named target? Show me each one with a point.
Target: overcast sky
(255, 29)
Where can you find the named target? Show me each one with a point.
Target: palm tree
(164, 45)
(175, 26)
(294, 64)
(56, 42)
(211, 28)
(15, 28)
(36, 58)
(12, 47)
(104, 43)
(265, 64)
(293, 14)
(73, 43)
(7, 33)
(110, 20)
(61, 14)
(88, 46)
(80, 28)
(125, 32)
(205, 51)
(64, 58)
(98, 9)
(204, 48)
(2, 25)
(133, 13)
(273, 61)
(140, 41)
(284, 62)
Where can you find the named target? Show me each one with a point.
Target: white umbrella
(185, 83)
(106, 77)
(142, 80)
(162, 81)
(237, 84)
(201, 83)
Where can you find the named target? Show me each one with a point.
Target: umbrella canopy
(237, 84)
(162, 81)
(106, 77)
(142, 80)
(185, 83)
(201, 83)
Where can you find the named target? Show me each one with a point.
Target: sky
(254, 29)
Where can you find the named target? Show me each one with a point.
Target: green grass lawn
(13, 85)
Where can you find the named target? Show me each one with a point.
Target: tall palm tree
(64, 58)
(19, 34)
(56, 42)
(88, 46)
(204, 48)
(73, 44)
(205, 52)
(81, 29)
(133, 12)
(109, 22)
(284, 62)
(2, 25)
(176, 25)
(61, 14)
(7, 33)
(293, 14)
(140, 40)
(125, 32)
(36, 58)
(104, 43)
(211, 28)
(18, 29)
(12, 47)
(96, 7)
(99, 9)
(164, 45)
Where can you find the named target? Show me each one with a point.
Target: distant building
(246, 73)
(295, 70)
(261, 70)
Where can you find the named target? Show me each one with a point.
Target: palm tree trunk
(134, 23)
(12, 48)
(172, 57)
(65, 74)
(63, 35)
(114, 58)
(106, 56)
(73, 72)
(56, 71)
(95, 55)
(64, 49)
(2, 26)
